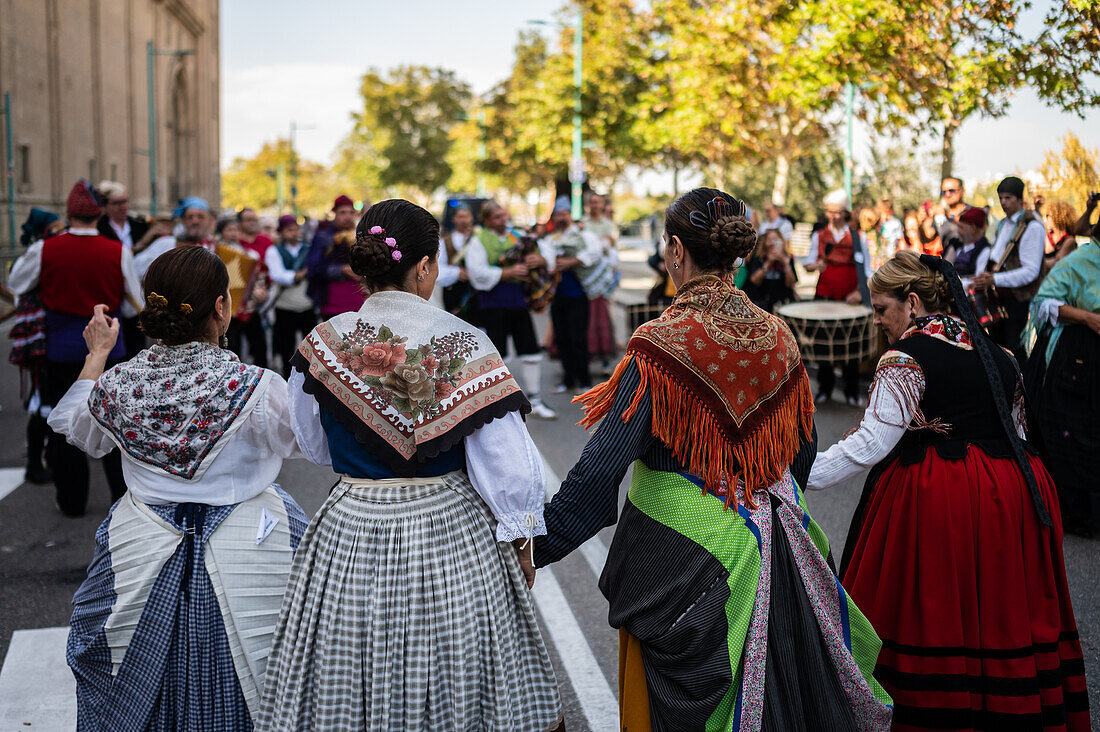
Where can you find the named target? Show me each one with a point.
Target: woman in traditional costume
(407, 607)
(955, 550)
(729, 614)
(172, 628)
(1063, 339)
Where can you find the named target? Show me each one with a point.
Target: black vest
(958, 394)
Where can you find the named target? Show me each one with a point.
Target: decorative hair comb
(717, 208)
(154, 300)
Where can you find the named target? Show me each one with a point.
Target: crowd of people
(213, 601)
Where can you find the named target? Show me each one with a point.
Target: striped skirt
(172, 628)
(403, 612)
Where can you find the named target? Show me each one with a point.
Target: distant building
(77, 74)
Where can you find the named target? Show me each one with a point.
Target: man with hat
(332, 284)
(574, 254)
(842, 258)
(1013, 264)
(194, 215)
(295, 316)
(971, 242)
(74, 272)
(134, 232)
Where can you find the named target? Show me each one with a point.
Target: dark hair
(414, 231)
(181, 288)
(712, 226)
(224, 222)
(240, 214)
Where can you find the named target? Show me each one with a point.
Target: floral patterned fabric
(408, 379)
(175, 407)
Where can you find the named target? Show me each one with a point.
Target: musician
(955, 550)
(501, 301)
(1013, 264)
(332, 285)
(247, 323)
(198, 223)
(452, 288)
(75, 272)
(295, 315)
(970, 243)
(840, 254)
(576, 255)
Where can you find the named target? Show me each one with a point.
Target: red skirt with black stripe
(968, 592)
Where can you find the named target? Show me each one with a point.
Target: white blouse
(502, 461)
(891, 408)
(249, 462)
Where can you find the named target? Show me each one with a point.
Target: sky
(300, 61)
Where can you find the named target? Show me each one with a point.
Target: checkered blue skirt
(404, 613)
(172, 627)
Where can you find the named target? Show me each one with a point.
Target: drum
(243, 267)
(987, 306)
(831, 332)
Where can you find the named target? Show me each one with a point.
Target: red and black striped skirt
(968, 593)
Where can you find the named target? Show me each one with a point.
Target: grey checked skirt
(404, 613)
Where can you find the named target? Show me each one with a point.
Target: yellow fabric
(633, 694)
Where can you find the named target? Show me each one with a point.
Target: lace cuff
(520, 525)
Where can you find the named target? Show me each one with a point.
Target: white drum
(830, 331)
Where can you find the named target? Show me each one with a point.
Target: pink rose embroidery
(443, 389)
(377, 359)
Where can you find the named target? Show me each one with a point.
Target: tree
(402, 134)
(254, 182)
(1072, 173)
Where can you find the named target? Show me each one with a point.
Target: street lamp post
(150, 53)
(576, 163)
(849, 152)
(294, 127)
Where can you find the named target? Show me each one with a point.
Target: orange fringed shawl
(729, 392)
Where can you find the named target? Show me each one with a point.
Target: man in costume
(501, 300)
(574, 254)
(333, 286)
(251, 237)
(1013, 264)
(76, 271)
(134, 232)
(249, 324)
(840, 254)
(774, 220)
(452, 288)
(198, 226)
(972, 242)
(295, 315)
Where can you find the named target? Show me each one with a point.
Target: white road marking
(10, 479)
(37, 689)
(601, 710)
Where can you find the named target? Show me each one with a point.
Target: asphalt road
(43, 555)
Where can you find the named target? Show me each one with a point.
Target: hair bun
(732, 237)
(370, 256)
(166, 324)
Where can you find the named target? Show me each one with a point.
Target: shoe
(541, 411)
(853, 401)
(37, 474)
(580, 390)
(561, 389)
(821, 398)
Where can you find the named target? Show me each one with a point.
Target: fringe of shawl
(688, 426)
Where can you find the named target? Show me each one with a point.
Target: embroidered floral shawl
(408, 379)
(729, 391)
(174, 408)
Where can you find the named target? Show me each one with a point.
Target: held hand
(515, 272)
(853, 298)
(525, 562)
(534, 261)
(463, 275)
(301, 275)
(259, 294)
(101, 333)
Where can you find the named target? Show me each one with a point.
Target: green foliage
(253, 182)
(1071, 173)
(402, 135)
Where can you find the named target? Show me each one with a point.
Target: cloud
(260, 102)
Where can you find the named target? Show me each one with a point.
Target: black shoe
(38, 474)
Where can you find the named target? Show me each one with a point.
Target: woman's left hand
(101, 333)
(525, 555)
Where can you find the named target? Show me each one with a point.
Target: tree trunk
(676, 179)
(947, 157)
(782, 176)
